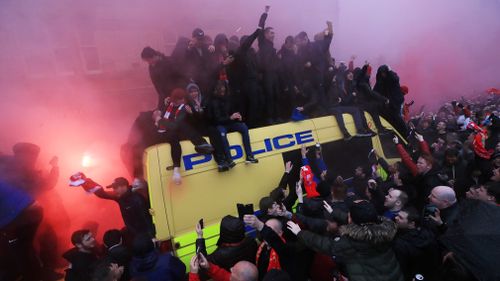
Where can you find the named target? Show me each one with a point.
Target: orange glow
(87, 161)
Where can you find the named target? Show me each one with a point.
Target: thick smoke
(72, 80)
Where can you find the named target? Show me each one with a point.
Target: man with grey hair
(445, 201)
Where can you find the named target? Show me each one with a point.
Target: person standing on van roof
(312, 61)
(164, 75)
(367, 99)
(269, 63)
(133, 207)
(388, 86)
(198, 60)
(226, 118)
(243, 77)
(343, 102)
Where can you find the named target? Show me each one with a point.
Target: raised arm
(90, 186)
(316, 242)
(405, 157)
(327, 41)
(262, 24)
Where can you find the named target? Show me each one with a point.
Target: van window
(388, 146)
(341, 157)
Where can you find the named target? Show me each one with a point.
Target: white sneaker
(176, 177)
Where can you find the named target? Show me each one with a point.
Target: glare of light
(86, 160)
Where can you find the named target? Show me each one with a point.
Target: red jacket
(406, 158)
(216, 273)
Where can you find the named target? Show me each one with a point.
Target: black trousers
(17, 255)
(175, 132)
(252, 102)
(373, 109)
(357, 115)
(271, 94)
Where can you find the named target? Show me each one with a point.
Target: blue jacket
(12, 202)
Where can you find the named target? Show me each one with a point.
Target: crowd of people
(212, 87)
(431, 216)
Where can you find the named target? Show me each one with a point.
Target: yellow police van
(208, 194)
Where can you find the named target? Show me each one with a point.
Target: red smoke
(53, 96)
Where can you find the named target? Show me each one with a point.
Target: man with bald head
(244, 271)
(241, 271)
(276, 252)
(276, 226)
(445, 201)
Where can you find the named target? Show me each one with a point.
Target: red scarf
(161, 126)
(479, 141)
(222, 72)
(169, 111)
(274, 260)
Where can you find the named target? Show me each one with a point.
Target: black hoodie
(81, 265)
(417, 252)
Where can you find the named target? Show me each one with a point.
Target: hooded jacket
(158, 267)
(365, 94)
(165, 77)
(364, 250)
(389, 87)
(232, 245)
(417, 252)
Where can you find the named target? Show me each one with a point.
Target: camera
(430, 210)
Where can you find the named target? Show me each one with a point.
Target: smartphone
(200, 222)
(244, 210)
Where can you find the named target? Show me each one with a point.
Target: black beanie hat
(142, 245)
(232, 230)
(363, 212)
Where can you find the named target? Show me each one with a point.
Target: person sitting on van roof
(172, 124)
(226, 118)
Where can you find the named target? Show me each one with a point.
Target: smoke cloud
(72, 80)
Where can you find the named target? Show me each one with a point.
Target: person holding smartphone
(232, 247)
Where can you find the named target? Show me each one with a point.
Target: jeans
(235, 127)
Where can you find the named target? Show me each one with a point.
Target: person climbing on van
(367, 99)
(172, 126)
(227, 118)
